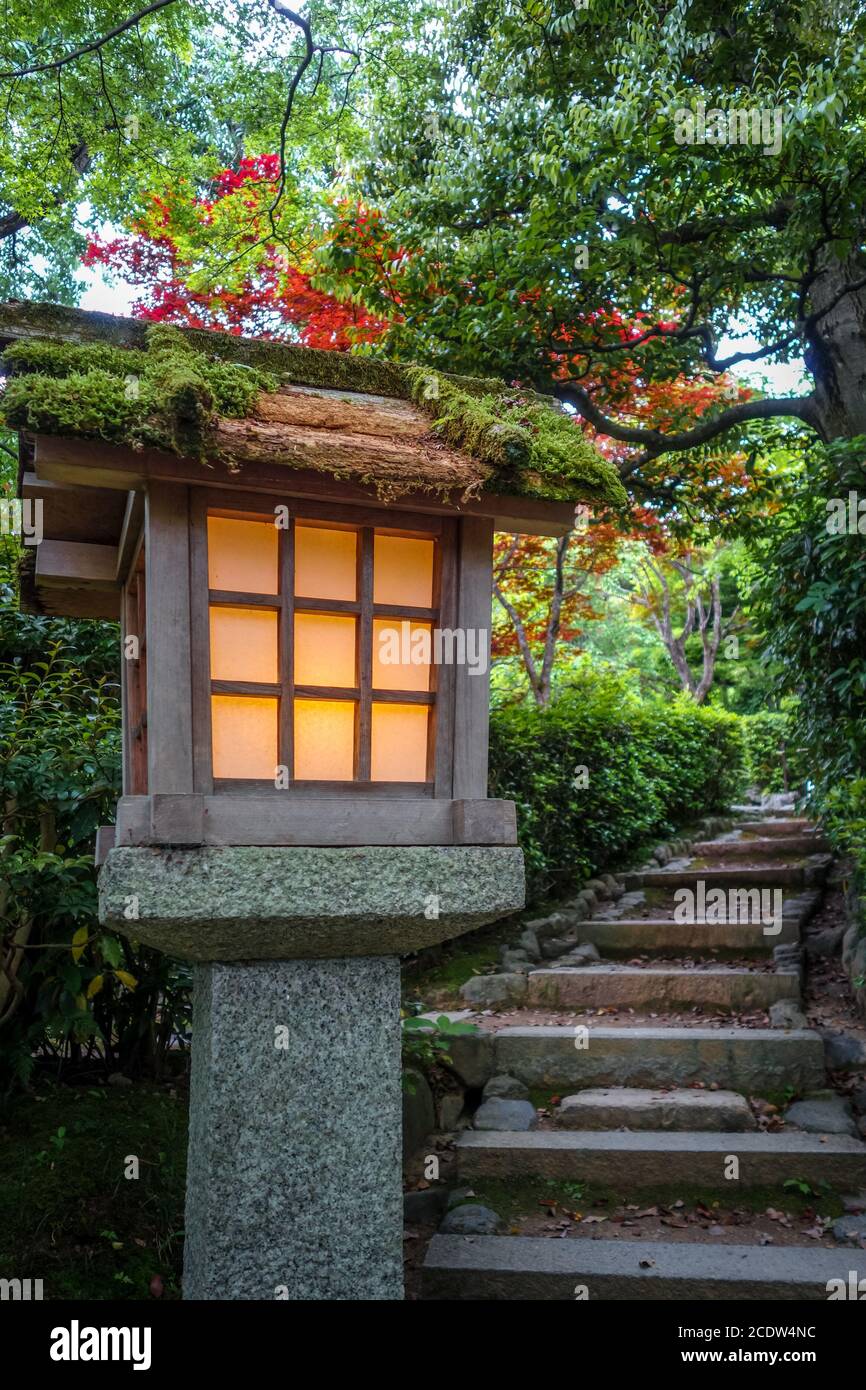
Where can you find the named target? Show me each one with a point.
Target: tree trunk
(540, 678)
(836, 347)
(707, 616)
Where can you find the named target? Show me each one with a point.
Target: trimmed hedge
(774, 762)
(651, 765)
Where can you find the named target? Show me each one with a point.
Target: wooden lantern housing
(254, 589)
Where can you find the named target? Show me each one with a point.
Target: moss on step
(511, 1200)
(441, 981)
(542, 1097)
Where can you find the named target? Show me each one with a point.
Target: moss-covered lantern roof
(213, 396)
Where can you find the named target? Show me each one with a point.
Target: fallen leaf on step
(763, 1107)
(675, 1221)
(592, 1220)
(646, 1264)
(650, 1211)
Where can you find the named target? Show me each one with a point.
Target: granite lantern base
(294, 1178)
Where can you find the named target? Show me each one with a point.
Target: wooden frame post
(472, 689)
(169, 665)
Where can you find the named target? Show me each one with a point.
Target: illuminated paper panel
(325, 649)
(399, 751)
(324, 740)
(403, 571)
(242, 556)
(243, 644)
(244, 736)
(401, 654)
(325, 563)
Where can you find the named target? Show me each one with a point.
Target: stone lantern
(300, 559)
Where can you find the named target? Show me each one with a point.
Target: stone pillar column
(294, 1187)
(294, 1180)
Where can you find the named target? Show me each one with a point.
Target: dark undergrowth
(69, 1215)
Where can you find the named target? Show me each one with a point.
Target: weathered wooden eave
(88, 464)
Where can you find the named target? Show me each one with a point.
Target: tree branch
(554, 616)
(522, 641)
(691, 233)
(657, 443)
(12, 222)
(89, 47)
(310, 51)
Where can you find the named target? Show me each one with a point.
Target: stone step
(760, 846)
(752, 1061)
(660, 936)
(625, 1160)
(532, 1268)
(628, 1107)
(645, 987)
(788, 825)
(749, 876)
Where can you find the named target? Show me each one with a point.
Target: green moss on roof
(338, 371)
(169, 396)
(533, 448)
(154, 385)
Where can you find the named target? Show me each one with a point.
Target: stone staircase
(645, 1106)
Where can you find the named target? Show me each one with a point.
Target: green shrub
(844, 810)
(425, 1044)
(651, 764)
(773, 760)
(84, 998)
(809, 598)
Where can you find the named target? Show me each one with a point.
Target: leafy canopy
(557, 224)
